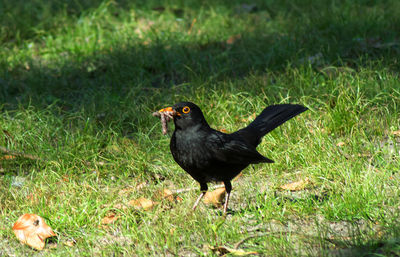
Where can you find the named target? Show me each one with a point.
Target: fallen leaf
(126, 190)
(110, 218)
(396, 133)
(223, 130)
(165, 194)
(223, 250)
(34, 197)
(340, 144)
(32, 230)
(8, 157)
(70, 243)
(250, 118)
(296, 186)
(142, 203)
(141, 185)
(52, 245)
(215, 197)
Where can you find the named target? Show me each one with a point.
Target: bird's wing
(230, 149)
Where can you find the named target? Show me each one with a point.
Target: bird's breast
(189, 150)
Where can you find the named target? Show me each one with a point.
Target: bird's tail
(270, 118)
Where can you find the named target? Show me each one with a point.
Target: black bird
(210, 155)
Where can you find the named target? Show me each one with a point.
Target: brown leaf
(223, 250)
(110, 218)
(8, 157)
(296, 186)
(165, 194)
(126, 190)
(396, 133)
(250, 118)
(141, 185)
(120, 206)
(215, 197)
(32, 230)
(142, 203)
(34, 197)
(340, 144)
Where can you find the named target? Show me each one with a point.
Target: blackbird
(209, 155)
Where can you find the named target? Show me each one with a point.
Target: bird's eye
(186, 109)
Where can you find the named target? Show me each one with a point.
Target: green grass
(78, 83)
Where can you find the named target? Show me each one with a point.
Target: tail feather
(270, 118)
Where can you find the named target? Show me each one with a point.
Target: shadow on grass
(387, 245)
(322, 40)
(122, 85)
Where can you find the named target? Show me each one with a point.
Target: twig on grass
(19, 154)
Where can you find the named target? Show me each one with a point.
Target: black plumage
(210, 155)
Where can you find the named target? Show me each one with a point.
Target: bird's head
(186, 115)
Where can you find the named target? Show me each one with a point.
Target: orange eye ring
(186, 109)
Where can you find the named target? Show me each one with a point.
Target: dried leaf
(165, 194)
(32, 230)
(250, 118)
(120, 206)
(296, 186)
(223, 250)
(396, 133)
(142, 203)
(70, 243)
(141, 185)
(340, 144)
(8, 157)
(215, 197)
(110, 218)
(126, 190)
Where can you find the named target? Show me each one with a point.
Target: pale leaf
(110, 218)
(142, 203)
(215, 197)
(70, 243)
(396, 133)
(32, 230)
(296, 186)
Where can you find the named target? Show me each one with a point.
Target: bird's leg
(228, 188)
(203, 189)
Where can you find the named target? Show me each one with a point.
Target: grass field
(80, 79)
